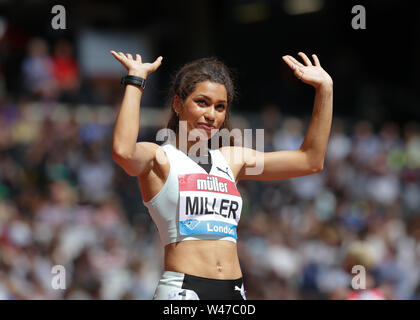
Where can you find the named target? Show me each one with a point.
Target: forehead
(213, 90)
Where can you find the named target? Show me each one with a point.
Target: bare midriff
(214, 259)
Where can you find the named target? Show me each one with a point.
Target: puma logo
(183, 294)
(241, 290)
(226, 172)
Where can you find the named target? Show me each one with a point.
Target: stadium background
(63, 200)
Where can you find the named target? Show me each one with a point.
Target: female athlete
(195, 204)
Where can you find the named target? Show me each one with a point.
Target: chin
(204, 134)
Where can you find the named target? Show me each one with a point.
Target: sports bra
(194, 204)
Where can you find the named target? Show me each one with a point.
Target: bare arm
(309, 158)
(134, 157)
(316, 139)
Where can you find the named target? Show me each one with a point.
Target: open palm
(308, 73)
(136, 66)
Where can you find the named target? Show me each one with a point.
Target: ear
(176, 105)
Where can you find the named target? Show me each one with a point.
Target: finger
(157, 63)
(289, 62)
(305, 59)
(122, 56)
(129, 56)
(116, 55)
(138, 57)
(316, 60)
(295, 61)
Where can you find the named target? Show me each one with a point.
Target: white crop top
(194, 204)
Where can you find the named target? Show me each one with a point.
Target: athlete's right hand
(136, 67)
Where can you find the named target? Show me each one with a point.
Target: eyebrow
(203, 95)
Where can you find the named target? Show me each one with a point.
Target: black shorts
(181, 286)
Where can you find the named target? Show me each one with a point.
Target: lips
(205, 126)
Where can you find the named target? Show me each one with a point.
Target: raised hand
(314, 75)
(136, 67)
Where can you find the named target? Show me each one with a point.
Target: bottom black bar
(257, 309)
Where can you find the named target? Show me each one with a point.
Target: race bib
(208, 204)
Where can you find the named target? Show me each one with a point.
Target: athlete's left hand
(314, 75)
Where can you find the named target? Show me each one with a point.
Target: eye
(221, 107)
(201, 101)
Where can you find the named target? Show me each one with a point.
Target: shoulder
(159, 167)
(158, 155)
(237, 152)
(145, 158)
(151, 146)
(238, 157)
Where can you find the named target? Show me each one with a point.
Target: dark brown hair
(191, 74)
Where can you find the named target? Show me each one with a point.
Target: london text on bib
(208, 205)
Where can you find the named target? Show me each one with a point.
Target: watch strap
(137, 81)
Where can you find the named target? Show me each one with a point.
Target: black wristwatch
(137, 81)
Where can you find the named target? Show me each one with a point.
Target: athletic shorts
(181, 286)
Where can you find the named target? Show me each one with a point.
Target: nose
(210, 113)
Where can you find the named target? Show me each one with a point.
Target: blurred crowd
(304, 238)
(47, 76)
(63, 201)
